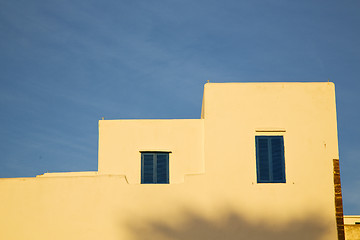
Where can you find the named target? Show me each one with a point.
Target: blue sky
(65, 64)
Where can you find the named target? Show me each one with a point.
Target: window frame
(270, 153)
(155, 155)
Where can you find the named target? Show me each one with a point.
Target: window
(155, 167)
(270, 162)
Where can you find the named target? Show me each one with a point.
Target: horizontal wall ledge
(270, 130)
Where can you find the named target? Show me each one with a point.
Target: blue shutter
(262, 155)
(277, 157)
(270, 161)
(147, 168)
(162, 168)
(154, 167)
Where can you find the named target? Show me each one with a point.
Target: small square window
(154, 167)
(270, 161)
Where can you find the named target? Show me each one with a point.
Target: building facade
(258, 164)
(352, 227)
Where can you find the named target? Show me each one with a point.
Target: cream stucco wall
(121, 143)
(352, 219)
(352, 227)
(352, 232)
(213, 193)
(304, 113)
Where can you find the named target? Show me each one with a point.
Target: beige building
(258, 164)
(352, 227)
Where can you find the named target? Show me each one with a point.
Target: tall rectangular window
(154, 167)
(270, 160)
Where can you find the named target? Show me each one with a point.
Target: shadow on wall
(229, 227)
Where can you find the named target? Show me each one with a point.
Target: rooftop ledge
(68, 174)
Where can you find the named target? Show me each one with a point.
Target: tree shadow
(229, 226)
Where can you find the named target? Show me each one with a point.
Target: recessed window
(154, 167)
(270, 161)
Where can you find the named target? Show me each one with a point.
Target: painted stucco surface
(125, 139)
(352, 227)
(213, 191)
(352, 232)
(352, 219)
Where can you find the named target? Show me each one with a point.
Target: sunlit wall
(213, 190)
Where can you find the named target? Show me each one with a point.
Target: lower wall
(106, 207)
(352, 232)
